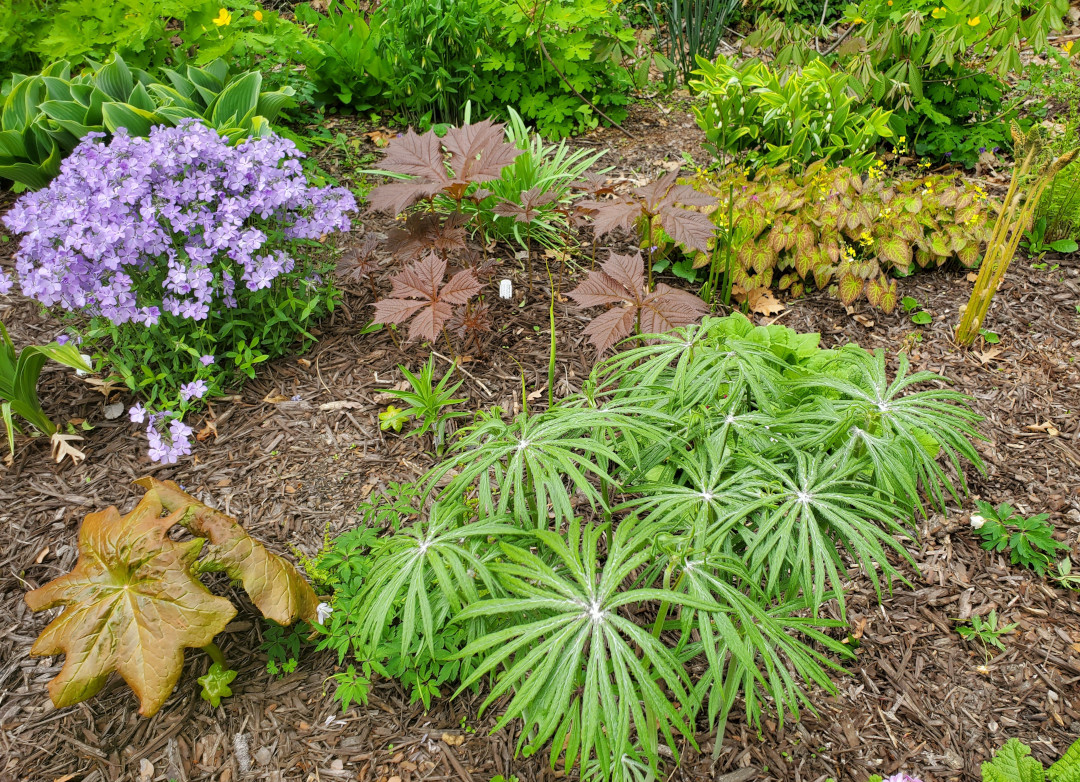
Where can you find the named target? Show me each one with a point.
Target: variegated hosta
(831, 229)
(134, 601)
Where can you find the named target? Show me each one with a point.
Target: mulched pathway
(292, 471)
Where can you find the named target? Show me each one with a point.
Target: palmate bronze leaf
(418, 290)
(478, 153)
(621, 280)
(132, 605)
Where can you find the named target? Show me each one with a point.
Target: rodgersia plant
(193, 260)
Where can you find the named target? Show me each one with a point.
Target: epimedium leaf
(132, 605)
(274, 585)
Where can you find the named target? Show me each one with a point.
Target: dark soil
(918, 697)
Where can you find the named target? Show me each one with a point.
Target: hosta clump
(625, 565)
(831, 229)
(193, 258)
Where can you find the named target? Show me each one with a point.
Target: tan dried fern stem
(1009, 228)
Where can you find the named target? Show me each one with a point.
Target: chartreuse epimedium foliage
(831, 229)
(134, 601)
(669, 537)
(194, 260)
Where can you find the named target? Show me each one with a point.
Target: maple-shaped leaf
(427, 232)
(658, 199)
(418, 290)
(478, 153)
(357, 263)
(132, 606)
(621, 280)
(416, 155)
(274, 585)
(529, 208)
(593, 185)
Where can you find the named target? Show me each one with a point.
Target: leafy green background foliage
(780, 118)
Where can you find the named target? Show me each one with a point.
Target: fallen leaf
(113, 411)
(105, 387)
(971, 277)
(209, 428)
(989, 355)
(341, 404)
(146, 770)
(275, 398)
(61, 447)
(452, 740)
(865, 321)
(762, 301)
(1046, 426)
(536, 394)
(305, 363)
(380, 138)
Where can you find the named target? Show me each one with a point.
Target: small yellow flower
(938, 13)
(974, 21)
(890, 3)
(1068, 47)
(858, 20)
(258, 16)
(223, 18)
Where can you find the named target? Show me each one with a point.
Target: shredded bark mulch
(300, 447)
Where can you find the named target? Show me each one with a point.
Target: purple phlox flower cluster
(206, 360)
(196, 389)
(6, 283)
(902, 777)
(168, 223)
(167, 447)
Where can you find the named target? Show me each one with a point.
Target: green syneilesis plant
(643, 555)
(582, 673)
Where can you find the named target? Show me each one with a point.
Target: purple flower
(168, 223)
(982, 150)
(901, 777)
(297, 398)
(196, 389)
(168, 448)
(62, 339)
(206, 360)
(137, 414)
(6, 283)
(948, 154)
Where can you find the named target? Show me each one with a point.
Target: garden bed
(298, 448)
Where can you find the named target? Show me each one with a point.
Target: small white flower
(506, 289)
(977, 521)
(322, 612)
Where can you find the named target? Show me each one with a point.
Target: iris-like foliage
(679, 527)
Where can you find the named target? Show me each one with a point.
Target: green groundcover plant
(831, 229)
(623, 567)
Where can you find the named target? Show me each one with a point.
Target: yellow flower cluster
(876, 170)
